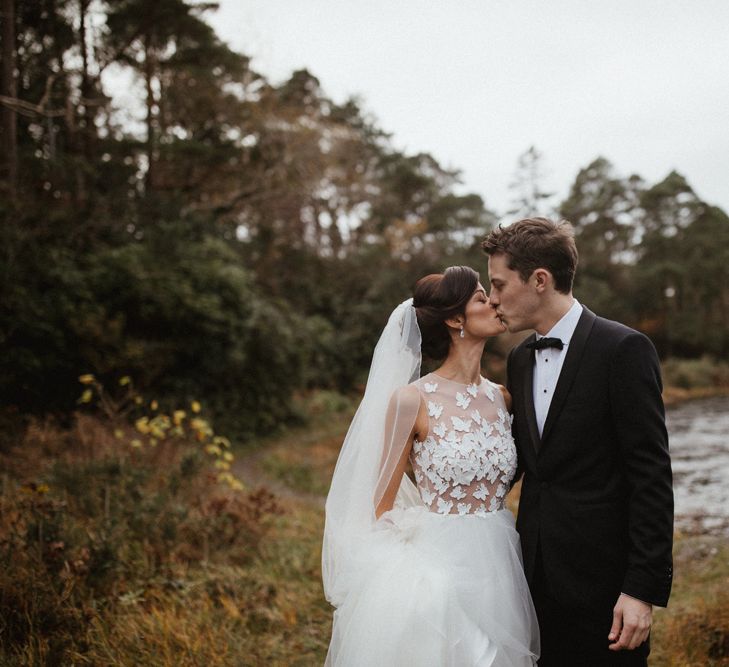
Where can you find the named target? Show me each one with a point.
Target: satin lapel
(569, 368)
(531, 415)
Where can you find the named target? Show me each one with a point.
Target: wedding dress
(438, 580)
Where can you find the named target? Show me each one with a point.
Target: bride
(429, 574)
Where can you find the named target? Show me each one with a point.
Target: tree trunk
(87, 118)
(8, 89)
(151, 134)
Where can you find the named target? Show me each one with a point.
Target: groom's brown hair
(534, 243)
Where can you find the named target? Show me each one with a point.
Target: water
(699, 441)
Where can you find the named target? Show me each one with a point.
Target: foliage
(704, 372)
(230, 237)
(237, 239)
(114, 513)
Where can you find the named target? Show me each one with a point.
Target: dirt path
(249, 469)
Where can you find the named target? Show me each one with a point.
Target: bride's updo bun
(437, 298)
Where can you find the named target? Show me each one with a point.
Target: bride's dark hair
(438, 297)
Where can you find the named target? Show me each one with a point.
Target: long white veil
(371, 449)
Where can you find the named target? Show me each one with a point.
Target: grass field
(142, 558)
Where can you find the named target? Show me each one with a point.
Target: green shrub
(694, 373)
(95, 517)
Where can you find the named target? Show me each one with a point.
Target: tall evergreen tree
(529, 197)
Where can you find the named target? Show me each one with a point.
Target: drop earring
(463, 333)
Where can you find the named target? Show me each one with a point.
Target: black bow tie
(543, 343)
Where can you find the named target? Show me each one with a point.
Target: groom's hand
(631, 623)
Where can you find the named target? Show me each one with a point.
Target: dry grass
(694, 630)
(111, 554)
(253, 602)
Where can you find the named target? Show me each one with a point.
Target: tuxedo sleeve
(639, 418)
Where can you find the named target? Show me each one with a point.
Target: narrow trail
(250, 470)
(296, 460)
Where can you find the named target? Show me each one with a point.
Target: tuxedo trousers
(576, 637)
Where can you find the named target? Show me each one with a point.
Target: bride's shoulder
(405, 403)
(505, 393)
(408, 395)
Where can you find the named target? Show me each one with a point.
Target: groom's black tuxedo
(596, 508)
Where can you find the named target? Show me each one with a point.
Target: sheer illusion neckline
(482, 379)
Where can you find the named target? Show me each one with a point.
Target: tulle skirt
(437, 590)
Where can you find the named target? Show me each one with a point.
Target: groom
(596, 508)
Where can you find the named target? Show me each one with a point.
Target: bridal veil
(370, 453)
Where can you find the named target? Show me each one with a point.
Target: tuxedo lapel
(569, 369)
(528, 384)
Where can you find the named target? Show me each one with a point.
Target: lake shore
(676, 395)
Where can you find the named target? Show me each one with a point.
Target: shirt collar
(566, 326)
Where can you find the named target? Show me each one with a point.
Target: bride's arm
(403, 422)
(507, 396)
(388, 498)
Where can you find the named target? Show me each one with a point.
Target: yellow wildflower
(178, 416)
(202, 427)
(228, 456)
(136, 443)
(118, 433)
(220, 440)
(195, 406)
(86, 396)
(236, 485)
(154, 405)
(225, 477)
(42, 488)
(222, 465)
(142, 425)
(87, 378)
(153, 442)
(213, 449)
(123, 382)
(138, 400)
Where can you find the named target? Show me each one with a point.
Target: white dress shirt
(548, 362)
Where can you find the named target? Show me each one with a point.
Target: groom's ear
(542, 279)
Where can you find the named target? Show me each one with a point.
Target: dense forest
(240, 240)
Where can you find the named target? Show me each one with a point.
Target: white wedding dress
(440, 580)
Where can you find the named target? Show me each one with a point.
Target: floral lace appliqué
(462, 400)
(434, 410)
(464, 466)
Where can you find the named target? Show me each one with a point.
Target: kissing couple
(435, 571)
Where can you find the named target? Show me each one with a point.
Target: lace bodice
(468, 459)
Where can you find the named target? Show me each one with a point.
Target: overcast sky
(644, 83)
